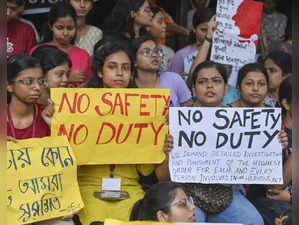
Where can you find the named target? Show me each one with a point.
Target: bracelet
(208, 39)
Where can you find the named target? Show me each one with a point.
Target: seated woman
(273, 200)
(56, 66)
(25, 117)
(112, 68)
(278, 65)
(253, 83)
(158, 31)
(61, 32)
(208, 84)
(198, 36)
(129, 17)
(165, 202)
(148, 75)
(87, 36)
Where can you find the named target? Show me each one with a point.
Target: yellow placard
(41, 180)
(118, 222)
(112, 126)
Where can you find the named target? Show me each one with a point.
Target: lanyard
(10, 122)
(112, 168)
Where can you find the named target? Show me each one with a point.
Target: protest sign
(112, 126)
(226, 145)
(118, 222)
(235, 40)
(41, 180)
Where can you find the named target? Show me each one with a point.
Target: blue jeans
(239, 211)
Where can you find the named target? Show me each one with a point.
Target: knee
(254, 218)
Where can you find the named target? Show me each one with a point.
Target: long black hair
(16, 64)
(251, 67)
(281, 59)
(50, 57)
(120, 19)
(158, 197)
(110, 44)
(58, 10)
(202, 15)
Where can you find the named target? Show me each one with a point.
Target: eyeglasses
(149, 52)
(185, 203)
(147, 10)
(30, 82)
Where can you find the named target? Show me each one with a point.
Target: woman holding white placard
(208, 84)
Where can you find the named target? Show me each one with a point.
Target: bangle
(208, 39)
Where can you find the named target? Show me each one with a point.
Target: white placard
(236, 37)
(225, 145)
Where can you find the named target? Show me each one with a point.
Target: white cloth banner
(225, 145)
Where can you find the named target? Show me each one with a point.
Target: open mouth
(210, 94)
(155, 62)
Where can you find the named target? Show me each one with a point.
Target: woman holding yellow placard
(25, 117)
(112, 68)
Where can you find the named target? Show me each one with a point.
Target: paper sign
(41, 180)
(118, 222)
(235, 40)
(226, 145)
(112, 126)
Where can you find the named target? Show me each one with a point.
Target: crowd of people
(130, 51)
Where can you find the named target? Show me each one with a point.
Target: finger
(50, 102)
(9, 138)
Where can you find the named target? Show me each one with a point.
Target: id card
(111, 184)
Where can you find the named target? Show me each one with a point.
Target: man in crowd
(20, 35)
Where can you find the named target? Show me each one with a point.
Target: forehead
(118, 57)
(180, 194)
(202, 25)
(64, 66)
(269, 62)
(35, 72)
(256, 75)
(158, 15)
(208, 73)
(148, 44)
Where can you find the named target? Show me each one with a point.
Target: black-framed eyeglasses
(30, 82)
(185, 203)
(149, 52)
(147, 9)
